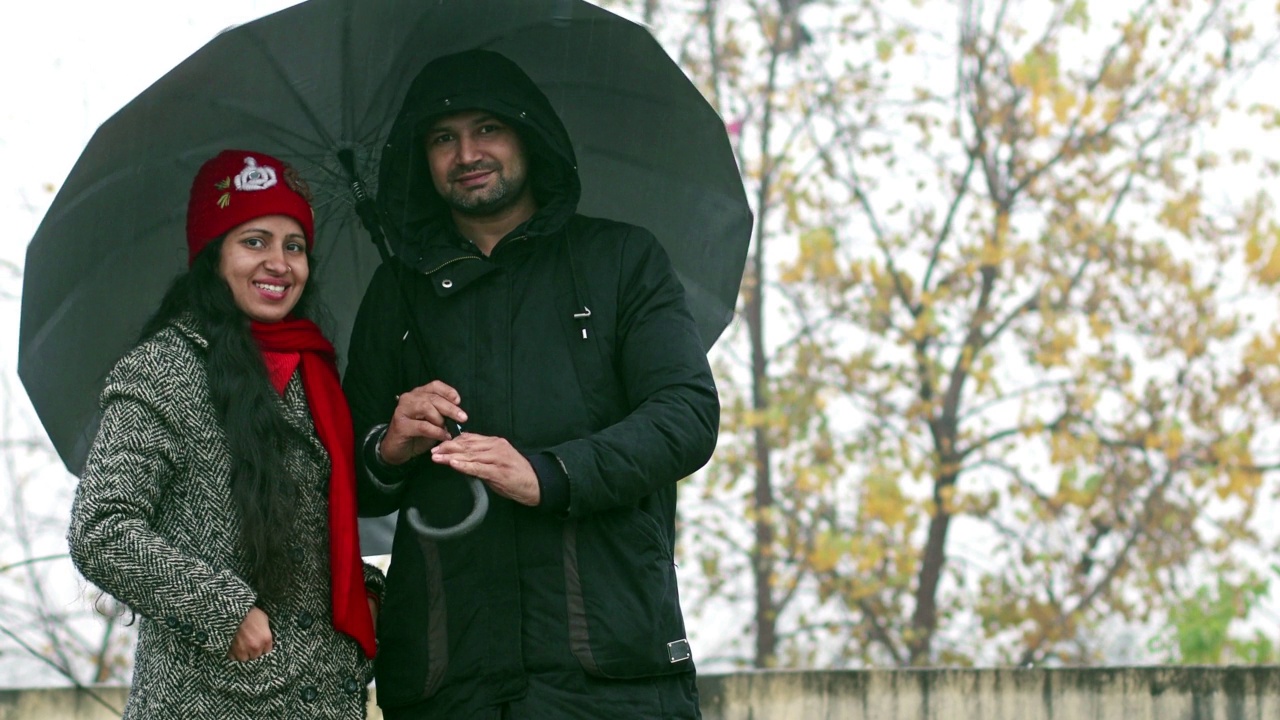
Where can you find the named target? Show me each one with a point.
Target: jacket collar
(187, 325)
(452, 263)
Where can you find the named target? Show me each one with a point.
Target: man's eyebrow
(479, 120)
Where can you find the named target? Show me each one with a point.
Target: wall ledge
(1104, 693)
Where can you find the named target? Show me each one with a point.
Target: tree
(1200, 626)
(1020, 363)
(47, 635)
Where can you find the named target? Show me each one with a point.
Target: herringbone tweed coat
(154, 525)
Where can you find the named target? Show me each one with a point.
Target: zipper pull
(581, 317)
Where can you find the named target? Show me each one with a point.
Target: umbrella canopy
(327, 76)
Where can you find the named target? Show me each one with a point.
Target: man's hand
(418, 422)
(253, 639)
(494, 461)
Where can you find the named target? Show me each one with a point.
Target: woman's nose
(276, 261)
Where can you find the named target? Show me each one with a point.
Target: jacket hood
(412, 210)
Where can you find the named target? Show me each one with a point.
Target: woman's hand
(253, 639)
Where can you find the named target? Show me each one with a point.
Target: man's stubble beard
(505, 193)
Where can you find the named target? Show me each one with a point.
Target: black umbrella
(328, 76)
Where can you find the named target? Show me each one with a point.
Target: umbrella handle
(368, 214)
(366, 210)
(469, 523)
(479, 498)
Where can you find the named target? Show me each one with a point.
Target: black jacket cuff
(553, 482)
(381, 472)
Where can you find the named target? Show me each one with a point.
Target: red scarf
(332, 419)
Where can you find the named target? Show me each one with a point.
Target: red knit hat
(237, 186)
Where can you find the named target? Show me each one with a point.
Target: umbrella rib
(419, 29)
(316, 123)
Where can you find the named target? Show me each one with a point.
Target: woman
(217, 501)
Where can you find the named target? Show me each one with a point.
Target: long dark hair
(248, 408)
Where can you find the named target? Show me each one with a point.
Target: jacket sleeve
(370, 386)
(375, 582)
(672, 427)
(136, 454)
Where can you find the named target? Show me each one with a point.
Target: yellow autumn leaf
(826, 553)
(1270, 273)
(1173, 443)
(817, 253)
(1099, 326)
(792, 273)
(793, 208)
(1112, 110)
(1180, 214)
(1240, 483)
(1019, 74)
(1062, 104)
(992, 254)
(883, 500)
(1253, 247)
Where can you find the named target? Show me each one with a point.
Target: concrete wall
(59, 704)
(1160, 693)
(71, 704)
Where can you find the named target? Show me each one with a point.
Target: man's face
(477, 162)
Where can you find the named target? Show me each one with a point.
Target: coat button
(309, 693)
(305, 619)
(172, 622)
(351, 686)
(202, 637)
(297, 555)
(185, 628)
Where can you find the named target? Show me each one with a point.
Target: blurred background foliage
(1003, 384)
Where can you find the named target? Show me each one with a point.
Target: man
(564, 347)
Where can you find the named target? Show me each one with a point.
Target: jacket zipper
(449, 262)
(507, 242)
(468, 257)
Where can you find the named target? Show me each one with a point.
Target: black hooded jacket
(618, 406)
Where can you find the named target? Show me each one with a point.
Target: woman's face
(264, 262)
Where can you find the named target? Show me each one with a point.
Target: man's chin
(481, 206)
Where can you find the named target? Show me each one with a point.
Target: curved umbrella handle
(480, 497)
(469, 523)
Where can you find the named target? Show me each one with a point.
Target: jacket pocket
(258, 678)
(624, 609)
(412, 659)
